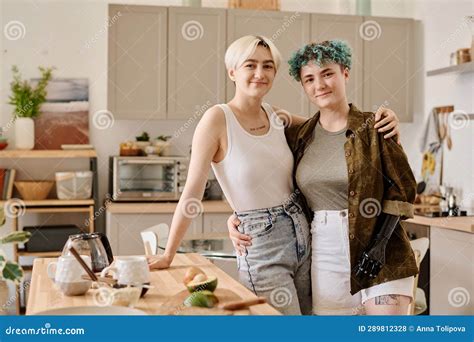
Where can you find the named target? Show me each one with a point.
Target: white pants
(331, 270)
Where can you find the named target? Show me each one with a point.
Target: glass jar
(471, 23)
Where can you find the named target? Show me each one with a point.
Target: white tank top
(256, 171)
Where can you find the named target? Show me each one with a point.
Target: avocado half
(203, 299)
(208, 284)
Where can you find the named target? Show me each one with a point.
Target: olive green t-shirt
(322, 173)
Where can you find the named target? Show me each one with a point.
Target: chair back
(420, 247)
(152, 235)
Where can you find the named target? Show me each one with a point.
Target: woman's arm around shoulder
(400, 192)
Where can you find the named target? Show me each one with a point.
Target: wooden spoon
(449, 141)
(242, 304)
(442, 127)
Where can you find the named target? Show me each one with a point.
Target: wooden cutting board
(174, 305)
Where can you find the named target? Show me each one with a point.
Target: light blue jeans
(278, 264)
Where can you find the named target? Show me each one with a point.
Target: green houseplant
(144, 137)
(27, 100)
(143, 141)
(9, 270)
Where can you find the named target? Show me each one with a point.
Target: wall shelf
(55, 202)
(27, 154)
(52, 254)
(454, 69)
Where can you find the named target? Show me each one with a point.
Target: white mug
(129, 270)
(67, 274)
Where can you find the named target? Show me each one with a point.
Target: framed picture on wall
(64, 117)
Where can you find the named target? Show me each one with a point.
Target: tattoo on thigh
(387, 300)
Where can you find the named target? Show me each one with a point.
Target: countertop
(44, 295)
(461, 223)
(164, 207)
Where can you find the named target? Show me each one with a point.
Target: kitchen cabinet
(137, 57)
(196, 70)
(446, 270)
(123, 230)
(289, 31)
(343, 27)
(125, 221)
(215, 223)
(168, 62)
(451, 282)
(389, 55)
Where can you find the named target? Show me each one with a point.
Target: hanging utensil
(449, 141)
(442, 126)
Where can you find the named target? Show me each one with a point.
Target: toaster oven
(149, 178)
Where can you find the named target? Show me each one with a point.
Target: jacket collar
(357, 123)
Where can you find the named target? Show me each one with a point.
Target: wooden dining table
(165, 284)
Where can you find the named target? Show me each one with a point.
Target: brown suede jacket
(380, 180)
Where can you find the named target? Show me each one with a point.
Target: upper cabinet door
(196, 70)
(343, 27)
(388, 63)
(137, 62)
(289, 31)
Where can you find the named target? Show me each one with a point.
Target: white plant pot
(162, 147)
(24, 133)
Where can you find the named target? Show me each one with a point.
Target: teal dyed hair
(329, 51)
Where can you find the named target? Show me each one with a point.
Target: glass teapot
(95, 245)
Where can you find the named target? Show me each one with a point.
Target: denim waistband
(287, 207)
(296, 228)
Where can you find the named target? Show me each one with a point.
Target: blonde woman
(251, 159)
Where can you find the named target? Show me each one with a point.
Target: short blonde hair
(242, 48)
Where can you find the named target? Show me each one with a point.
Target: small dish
(123, 296)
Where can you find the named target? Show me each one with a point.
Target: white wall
(445, 31)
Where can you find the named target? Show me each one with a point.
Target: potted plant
(27, 101)
(9, 270)
(163, 145)
(3, 140)
(142, 142)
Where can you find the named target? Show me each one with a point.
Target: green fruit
(209, 284)
(203, 299)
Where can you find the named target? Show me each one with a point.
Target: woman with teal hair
(357, 187)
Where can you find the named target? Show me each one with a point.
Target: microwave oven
(149, 178)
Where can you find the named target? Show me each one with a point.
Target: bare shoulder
(214, 114)
(213, 118)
